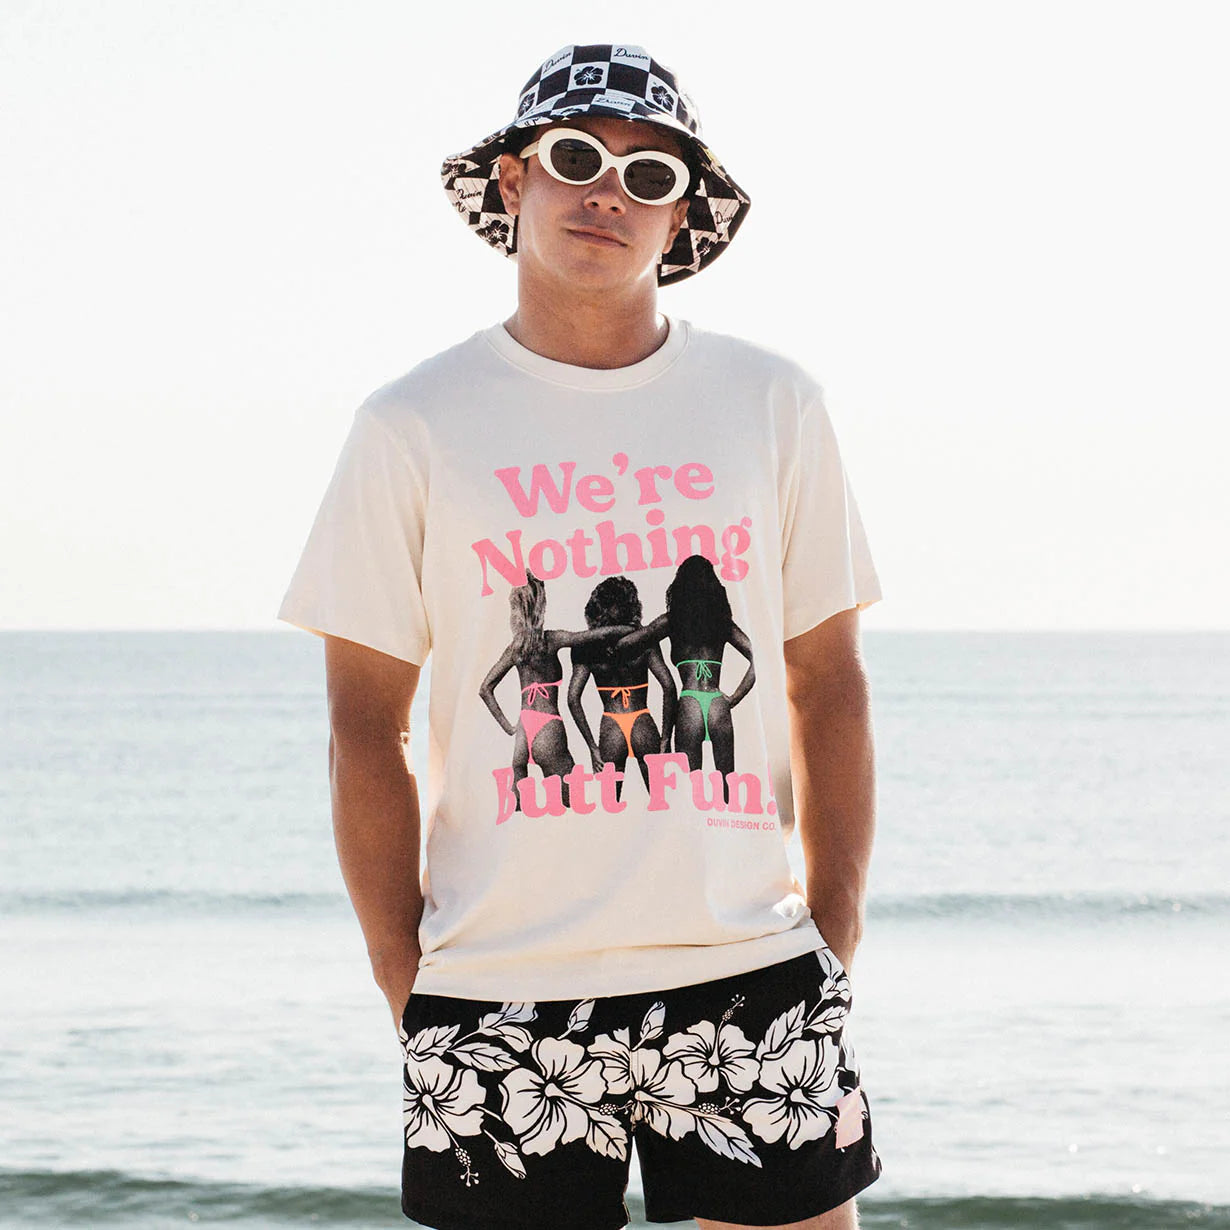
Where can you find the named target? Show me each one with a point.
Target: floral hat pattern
(610, 79)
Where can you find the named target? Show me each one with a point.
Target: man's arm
(832, 761)
(376, 806)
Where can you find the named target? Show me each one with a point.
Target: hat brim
(716, 204)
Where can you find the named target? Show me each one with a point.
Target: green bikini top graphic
(702, 666)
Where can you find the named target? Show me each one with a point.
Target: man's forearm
(376, 829)
(833, 767)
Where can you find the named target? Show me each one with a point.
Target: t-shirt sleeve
(360, 575)
(826, 562)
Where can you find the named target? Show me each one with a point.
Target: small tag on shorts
(850, 1117)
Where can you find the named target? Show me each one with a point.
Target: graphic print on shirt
(626, 658)
(539, 737)
(627, 729)
(699, 625)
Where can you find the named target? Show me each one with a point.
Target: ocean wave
(1065, 907)
(109, 1197)
(1091, 1212)
(168, 900)
(990, 907)
(46, 1198)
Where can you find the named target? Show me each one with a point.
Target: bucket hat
(611, 79)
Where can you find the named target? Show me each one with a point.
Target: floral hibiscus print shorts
(742, 1096)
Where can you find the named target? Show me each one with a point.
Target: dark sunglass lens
(575, 160)
(649, 179)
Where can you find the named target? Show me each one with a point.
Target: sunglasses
(574, 157)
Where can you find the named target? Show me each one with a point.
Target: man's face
(590, 235)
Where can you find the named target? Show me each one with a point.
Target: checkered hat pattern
(602, 79)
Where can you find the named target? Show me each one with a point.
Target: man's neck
(588, 332)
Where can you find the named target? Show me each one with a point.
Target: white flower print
(555, 1105)
(556, 1091)
(651, 1026)
(664, 1096)
(828, 1016)
(578, 1018)
(616, 1055)
(833, 973)
(661, 1094)
(804, 1080)
(484, 1056)
(726, 1137)
(440, 1102)
(849, 1060)
(783, 1033)
(509, 1024)
(435, 1040)
(709, 1052)
(509, 1156)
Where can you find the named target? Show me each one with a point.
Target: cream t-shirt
(550, 874)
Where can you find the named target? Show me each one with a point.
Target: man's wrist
(841, 928)
(394, 963)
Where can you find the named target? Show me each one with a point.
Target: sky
(995, 232)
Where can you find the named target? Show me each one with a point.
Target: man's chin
(603, 271)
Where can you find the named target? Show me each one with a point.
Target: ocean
(1042, 1001)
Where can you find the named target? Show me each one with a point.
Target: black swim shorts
(742, 1096)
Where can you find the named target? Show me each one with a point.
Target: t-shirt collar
(592, 378)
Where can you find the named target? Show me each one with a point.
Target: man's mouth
(599, 235)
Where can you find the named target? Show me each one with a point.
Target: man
(592, 957)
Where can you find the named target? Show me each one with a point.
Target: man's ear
(679, 214)
(512, 176)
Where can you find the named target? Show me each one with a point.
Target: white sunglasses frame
(543, 145)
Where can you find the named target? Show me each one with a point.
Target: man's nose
(606, 192)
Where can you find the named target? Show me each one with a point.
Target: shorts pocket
(829, 961)
(836, 984)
